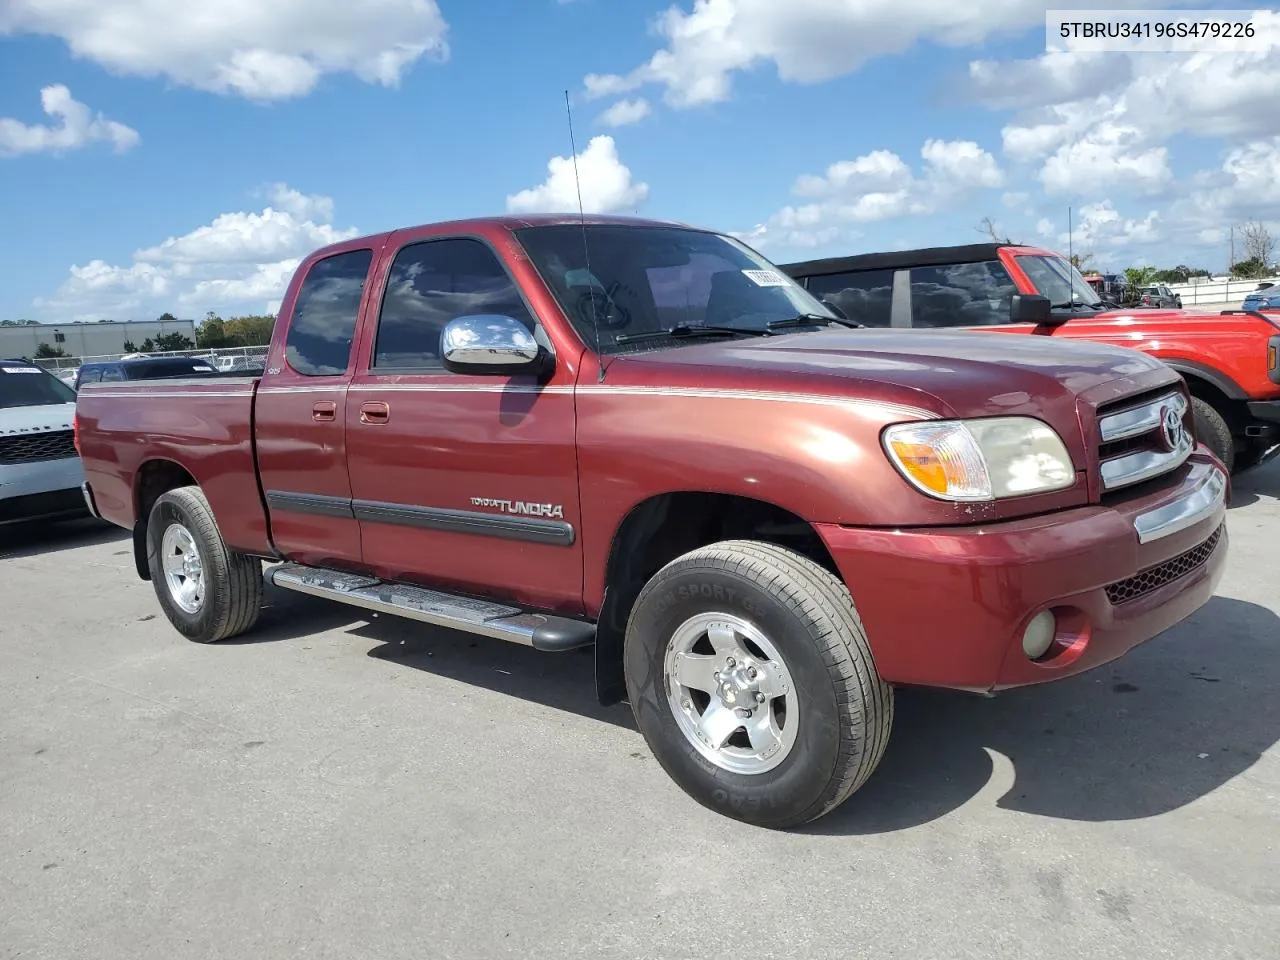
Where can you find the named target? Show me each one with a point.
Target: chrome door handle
(374, 411)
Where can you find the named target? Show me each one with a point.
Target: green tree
(212, 333)
(169, 342)
(166, 318)
(253, 331)
(46, 352)
(1140, 276)
(1249, 269)
(129, 347)
(1081, 260)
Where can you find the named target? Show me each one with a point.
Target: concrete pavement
(339, 787)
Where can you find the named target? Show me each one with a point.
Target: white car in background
(40, 471)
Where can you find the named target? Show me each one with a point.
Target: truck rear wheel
(752, 682)
(207, 591)
(1213, 432)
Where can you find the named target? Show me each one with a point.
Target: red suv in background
(1228, 359)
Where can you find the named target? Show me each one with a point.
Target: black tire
(232, 581)
(845, 708)
(1213, 432)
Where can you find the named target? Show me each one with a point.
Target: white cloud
(1246, 186)
(878, 186)
(1099, 228)
(1108, 155)
(77, 127)
(261, 50)
(1102, 121)
(806, 41)
(607, 184)
(239, 262)
(626, 112)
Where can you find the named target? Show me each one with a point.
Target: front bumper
(41, 490)
(947, 607)
(1268, 411)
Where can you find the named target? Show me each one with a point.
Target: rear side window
(112, 375)
(961, 295)
(432, 283)
(866, 296)
(324, 315)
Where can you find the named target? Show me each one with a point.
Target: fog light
(1039, 634)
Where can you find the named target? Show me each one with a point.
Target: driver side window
(432, 282)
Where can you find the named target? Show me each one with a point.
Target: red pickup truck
(562, 432)
(1228, 359)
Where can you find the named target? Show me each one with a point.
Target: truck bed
(202, 426)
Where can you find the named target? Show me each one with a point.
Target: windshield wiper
(808, 320)
(682, 330)
(1071, 305)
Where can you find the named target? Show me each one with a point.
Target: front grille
(1162, 574)
(1143, 438)
(34, 447)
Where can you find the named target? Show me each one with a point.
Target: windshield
(1058, 280)
(27, 385)
(646, 279)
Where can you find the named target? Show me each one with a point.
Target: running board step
(484, 617)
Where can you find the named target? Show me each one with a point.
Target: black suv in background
(143, 368)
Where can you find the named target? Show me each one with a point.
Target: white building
(88, 339)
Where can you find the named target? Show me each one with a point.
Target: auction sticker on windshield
(765, 278)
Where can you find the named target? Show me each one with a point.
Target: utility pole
(1232, 263)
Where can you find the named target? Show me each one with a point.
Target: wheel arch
(153, 480)
(664, 526)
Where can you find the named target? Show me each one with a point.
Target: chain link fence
(222, 357)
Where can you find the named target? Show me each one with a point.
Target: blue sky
(190, 176)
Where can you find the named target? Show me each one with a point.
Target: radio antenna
(586, 251)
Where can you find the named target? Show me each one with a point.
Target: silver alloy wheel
(183, 572)
(731, 693)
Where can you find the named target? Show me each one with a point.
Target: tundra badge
(522, 507)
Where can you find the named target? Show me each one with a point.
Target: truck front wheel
(208, 591)
(752, 682)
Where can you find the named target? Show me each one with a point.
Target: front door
(300, 422)
(466, 482)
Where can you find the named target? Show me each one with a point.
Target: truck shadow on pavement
(564, 681)
(1170, 723)
(1261, 483)
(39, 539)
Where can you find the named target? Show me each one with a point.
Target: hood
(968, 373)
(39, 419)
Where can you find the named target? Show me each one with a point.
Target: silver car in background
(40, 471)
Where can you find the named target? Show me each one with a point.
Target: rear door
(460, 480)
(299, 414)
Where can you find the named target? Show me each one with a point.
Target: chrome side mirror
(488, 343)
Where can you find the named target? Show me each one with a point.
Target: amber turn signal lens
(922, 464)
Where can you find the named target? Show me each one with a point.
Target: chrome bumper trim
(87, 493)
(1204, 499)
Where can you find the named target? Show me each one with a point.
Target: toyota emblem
(1175, 432)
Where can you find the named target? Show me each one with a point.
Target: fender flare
(1216, 378)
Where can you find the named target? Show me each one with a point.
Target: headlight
(986, 459)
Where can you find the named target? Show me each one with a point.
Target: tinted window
(866, 296)
(90, 375)
(961, 295)
(432, 283)
(27, 385)
(167, 369)
(618, 281)
(112, 375)
(324, 315)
